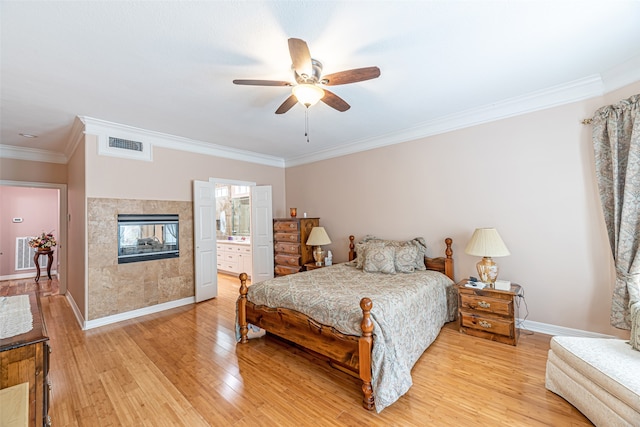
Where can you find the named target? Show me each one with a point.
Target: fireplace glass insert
(147, 237)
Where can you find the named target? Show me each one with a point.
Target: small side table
(36, 258)
(312, 266)
(489, 313)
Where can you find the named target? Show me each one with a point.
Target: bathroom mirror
(240, 216)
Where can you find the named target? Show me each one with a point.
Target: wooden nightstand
(489, 313)
(312, 266)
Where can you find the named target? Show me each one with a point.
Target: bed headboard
(442, 264)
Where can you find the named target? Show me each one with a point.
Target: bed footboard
(349, 353)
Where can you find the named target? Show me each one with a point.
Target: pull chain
(306, 123)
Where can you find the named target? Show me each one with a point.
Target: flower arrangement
(44, 241)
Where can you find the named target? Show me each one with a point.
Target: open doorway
(34, 208)
(233, 228)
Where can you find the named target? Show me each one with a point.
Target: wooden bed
(349, 353)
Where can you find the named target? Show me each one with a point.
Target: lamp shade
(318, 236)
(486, 242)
(307, 94)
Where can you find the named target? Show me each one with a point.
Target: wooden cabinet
(24, 369)
(489, 313)
(234, 258)
(290, 250)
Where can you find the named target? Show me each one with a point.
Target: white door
(204, 220)
(261, 233)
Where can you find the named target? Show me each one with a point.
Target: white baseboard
(545, 328)
(30, 275)
(107, 320)
(76, 310)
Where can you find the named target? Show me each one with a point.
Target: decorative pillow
(379, 258)
(405, 258)
(361, 248)
(421, 245)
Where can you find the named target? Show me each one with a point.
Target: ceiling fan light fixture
(308, 94)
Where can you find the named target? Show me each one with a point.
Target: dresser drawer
(285, 226)
(290, 260)
(485, 304)
(287, 237)
(488, 324)
(288, 248)
(282, 270)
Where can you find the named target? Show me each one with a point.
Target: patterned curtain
(616, 142)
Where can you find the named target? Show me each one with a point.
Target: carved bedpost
(352, 252)
(448, 261)
(365, 345)
(242, 308)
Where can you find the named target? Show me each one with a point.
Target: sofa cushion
(610, 363)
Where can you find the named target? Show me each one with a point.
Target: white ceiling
(168, 67)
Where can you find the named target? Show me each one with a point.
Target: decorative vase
(293, 212)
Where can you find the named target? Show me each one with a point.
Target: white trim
(102, 127)
(574, 91)
(29, 275)
(548, 329)
(31, 154)
(75, 309)
(577, 90)
(90, 324)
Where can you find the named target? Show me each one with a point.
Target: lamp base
(487, 270)
(318, 255)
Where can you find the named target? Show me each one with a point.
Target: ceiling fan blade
(287, 104)
(334, 101)
(351, 76)
(262, 82)
(300, 57)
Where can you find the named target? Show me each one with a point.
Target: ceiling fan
(309, 84)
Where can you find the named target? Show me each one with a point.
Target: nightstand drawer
(289, 248)
(287, 237)
(489, 305)
(488, 324)
(282, 270)
(291, 260)
(282, 225)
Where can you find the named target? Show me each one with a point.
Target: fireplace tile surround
(118, 288)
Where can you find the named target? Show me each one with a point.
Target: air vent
(125, 148)
(125, 144)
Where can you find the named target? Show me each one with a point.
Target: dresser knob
(484, 324)
(484, 304)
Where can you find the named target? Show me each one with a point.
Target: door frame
(62, 226)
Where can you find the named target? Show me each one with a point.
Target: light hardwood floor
(184, 368)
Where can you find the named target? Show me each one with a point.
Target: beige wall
(529, 176)
(117, 185)
(76, 232)
(29, 171)
(171, 174)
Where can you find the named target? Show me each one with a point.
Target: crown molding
(158, 139)
(567, 93)
(31, 154)
(76, 136)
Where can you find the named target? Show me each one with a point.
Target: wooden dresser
(489, 313)
(290, 251)
(24, 364)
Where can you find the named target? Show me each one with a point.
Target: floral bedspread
(408, 312)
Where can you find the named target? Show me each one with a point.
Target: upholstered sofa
(599, 376)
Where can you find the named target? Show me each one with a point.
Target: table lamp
(486, 242)
(317, 238)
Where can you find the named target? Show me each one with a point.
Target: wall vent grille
(125, 144)
(24, 255)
